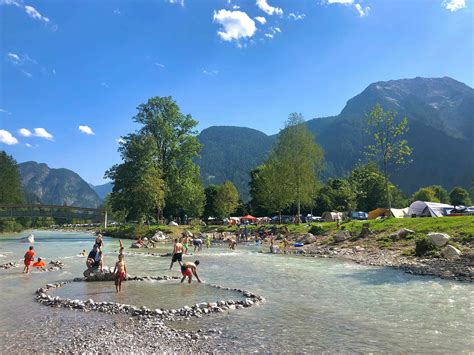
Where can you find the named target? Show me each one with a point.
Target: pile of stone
(55, 265)
(441, 240)
(183, 313)
(9, 265)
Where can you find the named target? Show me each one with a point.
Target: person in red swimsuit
(188, 270)
(29, 257)
(121, 273)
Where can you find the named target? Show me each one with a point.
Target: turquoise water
(312, 304)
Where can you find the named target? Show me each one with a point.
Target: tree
(440, 193)
(335, 195)
(210, 209)
(227, 200)
(389, 148)
(172, 146)
(459, 196)
(11, 190)
(425, 194)
(138, 187)
(292, 167)
(368, 184)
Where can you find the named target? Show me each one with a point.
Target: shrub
(316, 229)
(424, 247)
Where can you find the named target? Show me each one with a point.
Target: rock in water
(450, 252)
(341, 236)
(439, 239)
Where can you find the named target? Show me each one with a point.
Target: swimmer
(29, 256)
(121, 247)
(83, 253)
(177, 253)
(188, 270)
(120, 272)
(39, 264)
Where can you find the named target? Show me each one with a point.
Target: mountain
(440, 112)
(230, 153)
(56, 186)
(102, 190)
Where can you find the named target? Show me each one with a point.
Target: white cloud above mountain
(236, 25)
(86, 130)
(43, 133)
(7, 138)
(24, 132)
(268, 9)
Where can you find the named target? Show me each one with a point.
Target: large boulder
(158, 237)
(136, 245)
(308, 239)
(401, 234)
(450, 252)
(439, 239)
(341, 236)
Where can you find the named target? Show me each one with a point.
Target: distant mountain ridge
(441, 129)
(102, 190)
(56, 186)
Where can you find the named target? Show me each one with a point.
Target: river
(313, 305)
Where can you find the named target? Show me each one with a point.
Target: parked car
(310, 218)
(360, 216)
(286, 219)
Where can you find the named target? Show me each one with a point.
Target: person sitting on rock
(120, 272)
(189, 269)
(95, 259)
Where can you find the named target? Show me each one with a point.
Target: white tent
(399, 212)
(428, 209)
(332, 216)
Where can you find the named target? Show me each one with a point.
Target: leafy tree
(210, 209)
(138, 187)
(227, 199)
(459, 196)
(10, 184)
(440, 193)
(294, 163)
(336, 195)
(389, 148)
(368, 184)
(425, 194)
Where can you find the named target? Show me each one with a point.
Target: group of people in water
(29, 257)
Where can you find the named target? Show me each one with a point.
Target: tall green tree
(210, 209)
(389, 148)
(173, 145)
(227, 199)
(459, 196)
(295, 162)
(433, 193)
(138, 189)
(335, 195)
(11, 190)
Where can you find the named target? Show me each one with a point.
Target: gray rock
(341, 236)
(450, 252)
(439, 239)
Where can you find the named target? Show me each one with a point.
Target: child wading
(121, 273)
(188, 270)
(29, 257)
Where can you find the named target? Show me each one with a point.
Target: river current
(313, 305)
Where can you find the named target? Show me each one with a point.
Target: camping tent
(428, 209)
(332, 216)
(385, 212)
(248, 218)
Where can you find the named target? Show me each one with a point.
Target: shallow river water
(313, 305)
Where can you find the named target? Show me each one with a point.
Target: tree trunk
(389, 202)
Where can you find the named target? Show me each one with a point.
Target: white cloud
(269, 35)
(28, 74)
(86, 130)
(14, 58)
(178, 2)
(25, 132)
(42, 133)
(120, 140)
(235, 7)
(296, 17)
(117, 11)
(160, 65)
(235, 25)
(454, 5)
(261, 19)
(7, 138)
(273, 32)
(5, 111)
(28, 145)
(265, 7)
(210, 72)
(362, 12)
(33, 13)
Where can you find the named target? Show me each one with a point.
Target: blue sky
(76, 70)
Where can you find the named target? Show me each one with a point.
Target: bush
(424, 247)
(316, 229)
(10, 225)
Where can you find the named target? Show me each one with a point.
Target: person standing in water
(232, 243)
(208, 241)
(99, 241)
(188, 270)
(120, 272)
(285, 243)
(197, 242)
(177, 253)
(29, 257)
